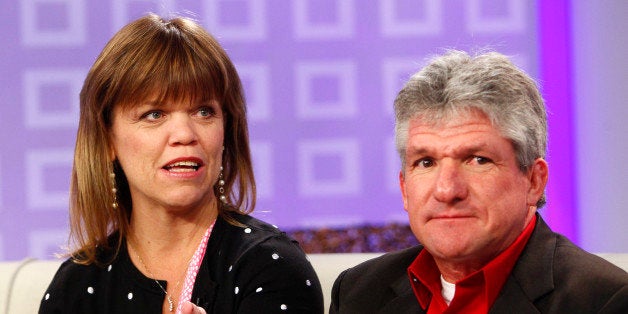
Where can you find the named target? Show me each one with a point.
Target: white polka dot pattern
(193, 267)
(258, 290)
(247, 230)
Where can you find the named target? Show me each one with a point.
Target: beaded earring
(221, 187)
(114, 190)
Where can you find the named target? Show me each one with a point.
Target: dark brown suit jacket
(552, 275)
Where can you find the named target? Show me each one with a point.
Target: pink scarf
(193, 267)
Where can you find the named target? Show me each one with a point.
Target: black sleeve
(58, 294)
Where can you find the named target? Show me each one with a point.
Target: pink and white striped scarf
(193, 267)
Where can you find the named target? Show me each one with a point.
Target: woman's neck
(170, 227)
(166, 239)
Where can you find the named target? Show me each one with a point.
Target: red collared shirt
(474, 293)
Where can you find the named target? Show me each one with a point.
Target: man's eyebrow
(459, 150)
(417, 150)
(472, 148)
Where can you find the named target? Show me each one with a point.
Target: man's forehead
(459, 133)
(451, 123)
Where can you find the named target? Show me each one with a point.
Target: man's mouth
(183, 166)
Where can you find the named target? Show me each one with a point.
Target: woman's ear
(537, 176)
(111, 152)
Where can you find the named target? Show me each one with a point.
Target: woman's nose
(182, 130)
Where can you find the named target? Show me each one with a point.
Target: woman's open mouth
(183, 166)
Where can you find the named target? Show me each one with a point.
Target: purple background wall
(320, 77)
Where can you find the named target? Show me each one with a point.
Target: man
(471, 133)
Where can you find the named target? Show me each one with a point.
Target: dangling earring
(114, 190)
(221, 187)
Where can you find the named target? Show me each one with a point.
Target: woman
(162, 184)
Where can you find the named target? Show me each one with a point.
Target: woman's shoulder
(77, 269)
(248, 221)
(246, 234)
(68, 282)
(74, 270)
(261, 258)
(71, 271)
(246, 227)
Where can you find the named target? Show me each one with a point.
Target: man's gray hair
(455, 83)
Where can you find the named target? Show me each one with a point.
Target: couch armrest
(7, 278)
(619, 259)
(329, 265)
(23, 284)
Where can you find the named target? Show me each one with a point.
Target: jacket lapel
(404, 301)
(513, 299)
(532, 276)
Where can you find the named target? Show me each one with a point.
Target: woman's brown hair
(174, 60)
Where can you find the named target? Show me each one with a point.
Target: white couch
(22, 283)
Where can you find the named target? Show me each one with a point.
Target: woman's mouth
(183, 166)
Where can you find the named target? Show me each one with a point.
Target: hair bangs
(172, 68)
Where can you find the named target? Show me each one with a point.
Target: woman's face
(171, 153)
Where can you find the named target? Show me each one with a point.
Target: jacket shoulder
(375, 283)
(559, 276)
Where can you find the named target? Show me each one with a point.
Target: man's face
(465, 195)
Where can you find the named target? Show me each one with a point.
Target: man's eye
(425, 163)
(481, 160)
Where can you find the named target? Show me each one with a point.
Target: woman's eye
(153, 115)
(206, 112)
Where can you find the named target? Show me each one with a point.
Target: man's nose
(451, 185)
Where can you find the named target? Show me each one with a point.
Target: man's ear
(537, 176)
(402, 186)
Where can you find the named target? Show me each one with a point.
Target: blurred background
(320, 78)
